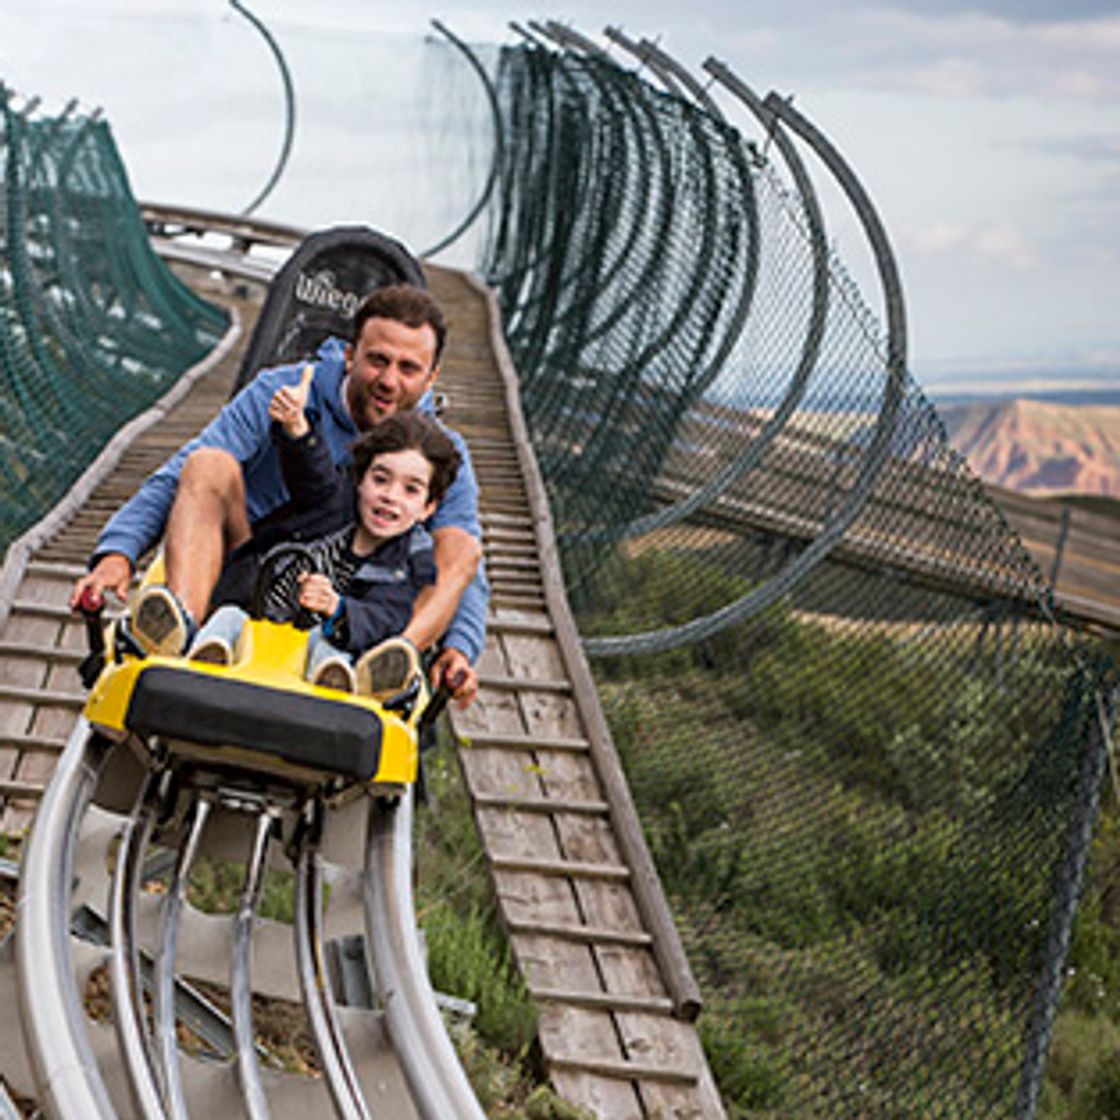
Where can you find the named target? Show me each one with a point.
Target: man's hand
(453, 668)
(113, 572)
(316, 593)
(289, 402)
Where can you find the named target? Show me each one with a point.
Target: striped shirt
(332, 557)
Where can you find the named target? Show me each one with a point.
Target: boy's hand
(289, 402)
(316, 594)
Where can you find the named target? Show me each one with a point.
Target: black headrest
(315, 293)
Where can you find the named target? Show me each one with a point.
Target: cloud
(1092, 37)
(1001, 243)
(985, 54)
(1099, 148)
(1020, 11)
(1005, 243)
(949, 77)
(939, 238)
(963, 53)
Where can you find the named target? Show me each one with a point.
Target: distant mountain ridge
(1040, 448)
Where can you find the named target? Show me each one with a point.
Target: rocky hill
(1039, 448)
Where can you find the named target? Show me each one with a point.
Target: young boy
(371, 569)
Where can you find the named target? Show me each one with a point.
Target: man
(222, 487)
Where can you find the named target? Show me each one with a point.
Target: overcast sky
(987, 133)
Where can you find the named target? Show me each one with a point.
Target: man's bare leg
(207, 520)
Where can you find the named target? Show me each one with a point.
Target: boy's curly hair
(410, 430)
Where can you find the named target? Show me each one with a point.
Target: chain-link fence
(867, 757)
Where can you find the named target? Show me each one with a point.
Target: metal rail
(434, 1075)
(170, 1067)
(78, 1070)
(248, 1067)
(58, 1046)
(322, 1015)
(124, 971)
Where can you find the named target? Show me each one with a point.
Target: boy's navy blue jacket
(379, 597)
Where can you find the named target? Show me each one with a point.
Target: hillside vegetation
(858, 833)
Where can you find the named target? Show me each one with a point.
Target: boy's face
(393, 493)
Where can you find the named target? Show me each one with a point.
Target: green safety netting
(867, 757)
(93, 327)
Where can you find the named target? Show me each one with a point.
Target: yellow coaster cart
(168, 744)
(258, 712)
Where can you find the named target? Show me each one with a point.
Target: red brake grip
(91, 601)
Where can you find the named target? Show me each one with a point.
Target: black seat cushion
(305, 730)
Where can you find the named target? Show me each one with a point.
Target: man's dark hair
(403, 303)
(404, 431)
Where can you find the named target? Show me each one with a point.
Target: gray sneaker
(334, 672)
(214, 650)
(159, 622)
(387, 669)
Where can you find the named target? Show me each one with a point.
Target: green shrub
(215, 887)
(467, 958)
(1081, 1073)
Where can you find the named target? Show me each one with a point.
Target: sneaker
(387, 669)
(159, 622)
(334, 672)
(214, 650)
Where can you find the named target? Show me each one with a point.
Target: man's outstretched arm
(455, 605)
(241, 428)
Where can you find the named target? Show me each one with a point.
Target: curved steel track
(400, 1064)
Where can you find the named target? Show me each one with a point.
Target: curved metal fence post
(758, 599)
(813, 337)
(661, 62)
(638, 50)
(868, 216)
(289, 106)
(1079, 837)
(499, 144)
(669, 69)
(571, 38)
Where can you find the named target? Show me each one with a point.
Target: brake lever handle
(91, 606)
(439, 701)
